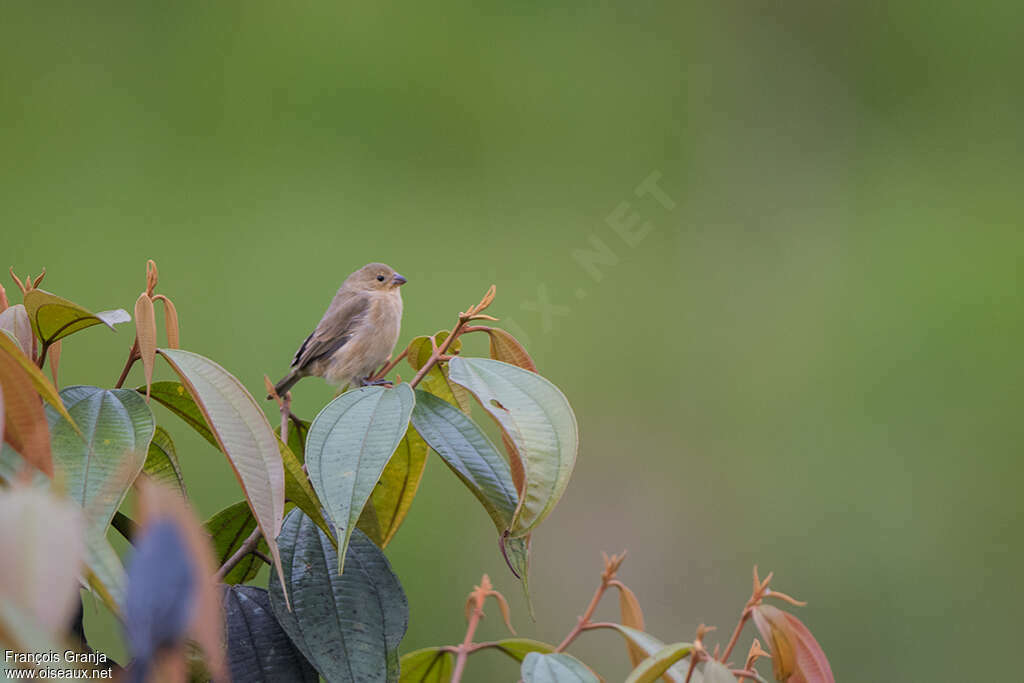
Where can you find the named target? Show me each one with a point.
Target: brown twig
(440, 353)
(248, 546)
(611, 566)
(757, 596)
(474, 613)
(389, 366)
(133, 356)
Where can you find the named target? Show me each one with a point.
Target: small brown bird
(356, 334)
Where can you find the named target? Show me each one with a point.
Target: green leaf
(106, 576)
(162, 461)
(538, 419)
(297, 431)
(517, 554)
(393, 495)
(176, 398)
(469, 454)
(118, 426)
(555, 668)
(14, 319)
(54, 318)
(298, 490)
(658, 663)
(244, 435)
(40, 381)
(518, 648)
(716, 672)
(650, 645)
(258, 648)
(228, 529)
(429, 665)
(347, 625)
(349, 444)
(436, 380)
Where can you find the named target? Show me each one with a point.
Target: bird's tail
(285, 384)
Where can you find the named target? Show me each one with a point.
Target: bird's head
(377, 277)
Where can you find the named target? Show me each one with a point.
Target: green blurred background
(810, 363)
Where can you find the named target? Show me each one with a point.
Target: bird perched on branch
(356, 334)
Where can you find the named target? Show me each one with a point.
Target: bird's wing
(334, 330)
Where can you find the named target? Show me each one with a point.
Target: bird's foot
(376, 383)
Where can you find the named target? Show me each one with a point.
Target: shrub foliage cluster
(322, 500)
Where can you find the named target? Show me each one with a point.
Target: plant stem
(248, 546)
(584, 622)
(693, 663)
(383, 372)
(438, 352)
(736, 633)
(42, 356)
(467, 644)
(133, 355)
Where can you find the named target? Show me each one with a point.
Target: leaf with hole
(349, 444)
(347, 625)
(243, 434)
(539, 421)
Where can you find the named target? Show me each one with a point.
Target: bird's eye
(380, 278)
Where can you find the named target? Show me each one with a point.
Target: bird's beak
(398, 280)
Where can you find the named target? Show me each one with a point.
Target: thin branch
(440, 352)
(248, 546)
(133, 355)
(389, 366)
(462, 652)
(736, 633)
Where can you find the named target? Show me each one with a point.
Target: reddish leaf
(633, 617)
(15, 320)
(170, 322)
(25, 426)
(55, 360)
(796, 655)
(505, 347)
(145, 333)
